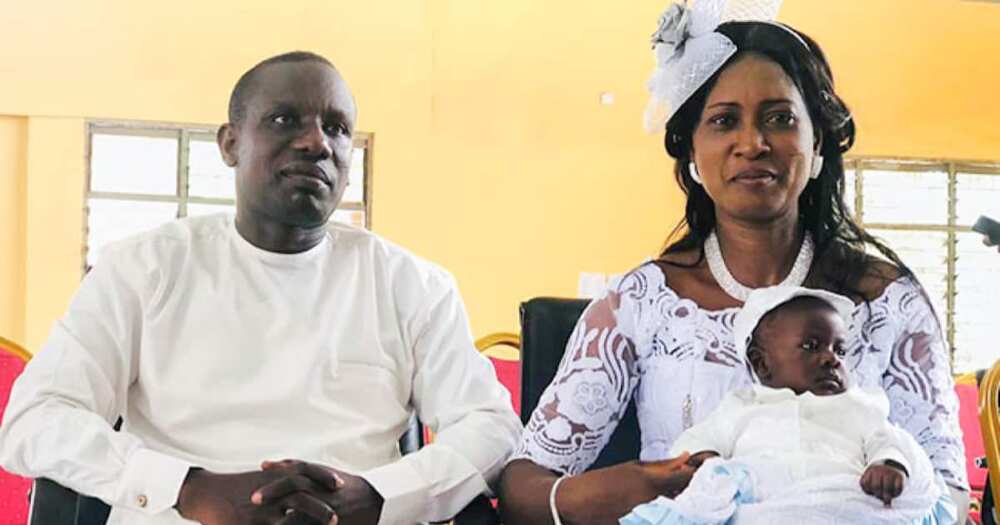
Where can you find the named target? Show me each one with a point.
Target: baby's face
(800, 346)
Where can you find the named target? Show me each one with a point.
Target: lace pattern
(641, 339)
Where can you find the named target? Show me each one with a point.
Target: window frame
(953, 167)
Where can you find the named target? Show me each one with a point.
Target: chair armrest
(54, 504)
(51, 504)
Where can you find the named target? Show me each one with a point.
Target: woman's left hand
(671, 476)
(697, 459)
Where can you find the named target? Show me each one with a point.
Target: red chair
(969, 393)
(13, 489)
(504, 350)
(506, 362)
(989, 418)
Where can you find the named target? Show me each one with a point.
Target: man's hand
(224, 499)
(885, 482)
(321, 493)
(669, 477)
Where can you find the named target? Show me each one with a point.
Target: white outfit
(798, 459)
(762, 301)
(805, 436)
(642, 339)
(220, 355)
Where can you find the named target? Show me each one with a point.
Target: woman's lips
(755, 176)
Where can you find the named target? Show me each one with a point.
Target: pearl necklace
(740, 292)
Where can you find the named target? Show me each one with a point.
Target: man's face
(292, 150)
(799, 346)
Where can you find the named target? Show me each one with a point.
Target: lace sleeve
(580, 409)
(920, 387)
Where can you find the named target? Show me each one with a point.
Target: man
(265, 366)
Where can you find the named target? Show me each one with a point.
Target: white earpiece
(693, 171)
(817, 166)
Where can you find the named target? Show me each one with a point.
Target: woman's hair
(840, 242)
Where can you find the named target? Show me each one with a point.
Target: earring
(817, 166)
(693, 171)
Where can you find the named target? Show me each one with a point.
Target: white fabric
(763, 300)
(751, 10)
(221, 355)
(789, 439)
(799, 459)
(643, 340)
(688, 51)
(841, 500)
(712, 495)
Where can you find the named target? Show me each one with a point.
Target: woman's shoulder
(682, 264)
(877, 277)
(867, 278)
(690, 278)
(672, 277)
(633, 296)
(642, 281)
(894, 299)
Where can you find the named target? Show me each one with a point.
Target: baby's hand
(697, 459)
(884, 481)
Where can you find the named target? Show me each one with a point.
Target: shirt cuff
(890, 453)
(151, 481)
(404, 493)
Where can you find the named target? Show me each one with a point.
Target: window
(924, 210)
(141, 176)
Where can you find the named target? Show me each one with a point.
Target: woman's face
(754, 142)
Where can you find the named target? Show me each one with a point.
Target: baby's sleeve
(885, 440)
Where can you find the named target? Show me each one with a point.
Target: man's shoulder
(160, 243)
(397, 261)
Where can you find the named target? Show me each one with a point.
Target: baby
(799, 444)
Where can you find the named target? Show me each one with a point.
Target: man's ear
(758, 362)
(226, 138)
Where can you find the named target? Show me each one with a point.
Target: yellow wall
(492, 154)
(13, 146)
(920, 75)
(54, 221)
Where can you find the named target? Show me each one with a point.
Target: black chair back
(546, 324)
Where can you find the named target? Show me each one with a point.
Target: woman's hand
(697, 459)
(671, 476)
(596, 497)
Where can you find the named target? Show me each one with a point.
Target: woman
(758, 136)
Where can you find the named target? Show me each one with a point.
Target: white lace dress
(641, 339)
